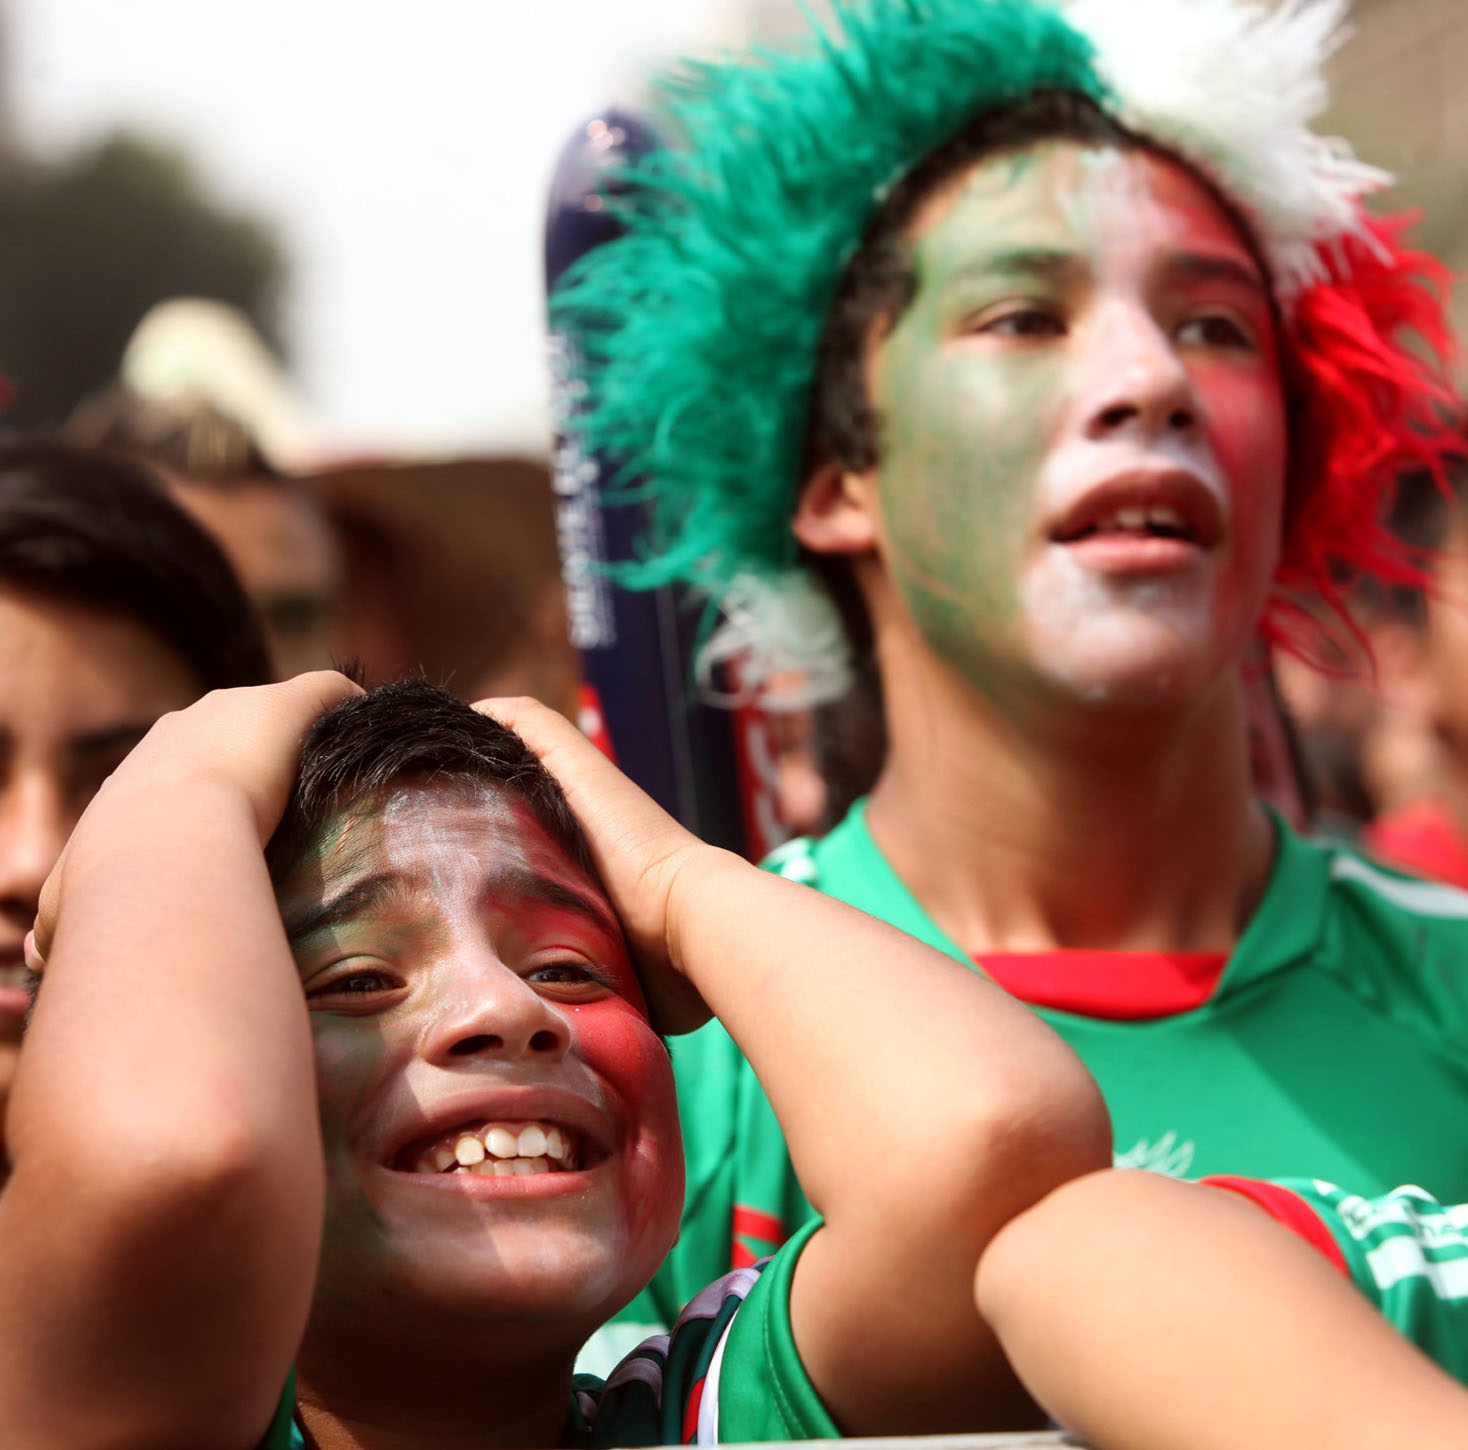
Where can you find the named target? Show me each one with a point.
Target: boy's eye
(1215, 330)
(569, 977)
(1021, 321)
(358, 987)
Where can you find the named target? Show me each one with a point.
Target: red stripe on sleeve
(1288, 1209)
(690, 1413)
(751, 1223)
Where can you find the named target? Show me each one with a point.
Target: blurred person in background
(269, 524)
(451, 571)
(115, 608)
(1413, 756)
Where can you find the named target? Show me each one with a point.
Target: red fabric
(690, 1413)
(1288, 1209)
(1420, 838)
(1119, 986)
(763, 1228)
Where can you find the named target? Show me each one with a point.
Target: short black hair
(412, 732)
(81, 527)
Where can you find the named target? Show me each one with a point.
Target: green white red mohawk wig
(700, 327)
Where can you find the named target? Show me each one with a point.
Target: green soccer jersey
(1334, 1042)
(1405, 1251)
(728, 1372)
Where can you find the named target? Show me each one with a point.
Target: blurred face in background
(77, 690)
(283, 549)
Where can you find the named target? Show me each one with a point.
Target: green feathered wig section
(699, 328)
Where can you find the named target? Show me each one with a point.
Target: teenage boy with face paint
(1052, 348)
(434, 952)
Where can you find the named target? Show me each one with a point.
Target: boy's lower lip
(13, 1001)
(1128, 553)
(482, 1186)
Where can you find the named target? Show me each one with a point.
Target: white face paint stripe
(1422, 897)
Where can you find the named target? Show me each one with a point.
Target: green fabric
(665, 1392)
(1335, 1045)
(1408, 1254)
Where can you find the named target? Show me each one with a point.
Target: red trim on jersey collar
(1119, 986)
(1288, 1209)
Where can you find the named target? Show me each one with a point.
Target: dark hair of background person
(99, 531)
(188, 437)
(411, 731)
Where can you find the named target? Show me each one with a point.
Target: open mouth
(497, 1149)
(1152, 521)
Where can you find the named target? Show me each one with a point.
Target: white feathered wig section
(1232, 87)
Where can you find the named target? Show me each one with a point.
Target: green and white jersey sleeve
(1405, 1251)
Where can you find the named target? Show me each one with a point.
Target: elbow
(1034, 1131)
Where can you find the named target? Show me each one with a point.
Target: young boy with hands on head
(440, 930)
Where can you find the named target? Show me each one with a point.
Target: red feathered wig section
(1369, 407)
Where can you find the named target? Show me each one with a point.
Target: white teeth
(1130, 518)
(517, 1148)
(1164, 517)
(501, 1142)
(532, 1142)
(13, 976)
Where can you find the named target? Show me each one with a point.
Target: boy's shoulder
(728, 1370)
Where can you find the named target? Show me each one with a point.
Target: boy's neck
(433, 1398)
(1104, 833)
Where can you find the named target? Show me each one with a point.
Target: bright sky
(402, 153)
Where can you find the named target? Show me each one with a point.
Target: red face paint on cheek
(618, 1043)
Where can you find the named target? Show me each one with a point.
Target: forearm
(167, 1159)
(872, 1047)
(923, 1108)
(1146, 1314)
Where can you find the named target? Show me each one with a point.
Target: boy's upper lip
(1180, 489)
(506, 1102)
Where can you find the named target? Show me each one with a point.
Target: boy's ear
(837, 511)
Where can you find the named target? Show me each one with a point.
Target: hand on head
(243, 742)
(639, 850)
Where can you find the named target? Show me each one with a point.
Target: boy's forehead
(432, 827)
(1066, 193)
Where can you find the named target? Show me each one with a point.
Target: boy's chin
(529, 1277)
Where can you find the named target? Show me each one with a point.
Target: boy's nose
(499, 1014)
(1136, 381)
(34, 825)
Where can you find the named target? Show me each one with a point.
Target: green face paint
(1081, 317)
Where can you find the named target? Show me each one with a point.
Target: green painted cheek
(965, 439)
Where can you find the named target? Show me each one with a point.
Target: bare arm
(923, 1106)
(159, 1233)
(1146, 1314)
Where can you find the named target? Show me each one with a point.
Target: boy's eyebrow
(95, 742)
(1048, 264)
(530, 885)
(360, 896)
(1214, 267)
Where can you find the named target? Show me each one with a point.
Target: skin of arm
(923, 1106)
(159, 1234)
(1146, 1314)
